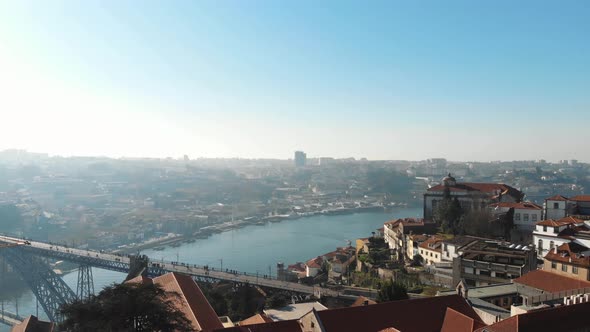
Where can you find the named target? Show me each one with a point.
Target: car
(28, 243)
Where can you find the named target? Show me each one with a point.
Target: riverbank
(208, 231)
(252, 249)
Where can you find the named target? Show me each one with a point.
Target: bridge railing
(159, 263)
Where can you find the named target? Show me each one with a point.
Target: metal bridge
(29, 259)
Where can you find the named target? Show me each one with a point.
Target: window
(556, 205)
(555, 230)
(574, 269)
(563, 267)
(421, 252)
(534, 217)
(435, 256)
(525, 216)
(553, 265)
(517, 216)
(551, 245)
(540, 246)
(544, 228)
(485, 273)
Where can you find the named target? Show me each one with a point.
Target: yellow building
(570, 260)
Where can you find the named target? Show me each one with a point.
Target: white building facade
(549, 234)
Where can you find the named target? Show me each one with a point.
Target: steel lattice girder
(51, 291)
(85, 287)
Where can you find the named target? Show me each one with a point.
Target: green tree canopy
(278, 300)
(417, 260)
(448, 214)
(392, 291)
(126, 307)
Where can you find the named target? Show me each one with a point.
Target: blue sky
(465, 80)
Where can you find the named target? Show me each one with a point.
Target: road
(63, 252)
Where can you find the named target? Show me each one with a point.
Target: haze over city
(294, 166)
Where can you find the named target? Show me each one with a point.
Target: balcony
(512, 269)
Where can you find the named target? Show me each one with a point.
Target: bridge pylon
(85, 287)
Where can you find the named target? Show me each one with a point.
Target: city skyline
(390, 80)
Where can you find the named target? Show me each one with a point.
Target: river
(253, 248)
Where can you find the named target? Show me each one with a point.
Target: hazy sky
(465, 80)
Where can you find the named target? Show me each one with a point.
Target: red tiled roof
(419, 237)
(299, 267)
(433, 241)
(281, 326)
(315, 262)
(404, 315)
(33, 324)
(193, 302)
(457, 322)
(361, 300)
(571, 220)
(340, 251)
(560, 222)
(549, 222)
(570, 253)
(581, 198)
(406, 222)
(566, 318)
(556, 198)
(550, 282)
(140, 280)
(507, 325)
(521, 205)
(256, 319)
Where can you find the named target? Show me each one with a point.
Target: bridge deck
(118, 262)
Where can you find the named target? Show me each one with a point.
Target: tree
(244, 302)
(417, 260)
(392, 291)
(448, 213)
(278, 300)
(483, 223)
(126, 307)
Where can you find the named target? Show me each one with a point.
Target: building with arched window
(549, 234)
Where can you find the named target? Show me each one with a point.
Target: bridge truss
(50, 290)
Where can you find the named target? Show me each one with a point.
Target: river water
(253, 248)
